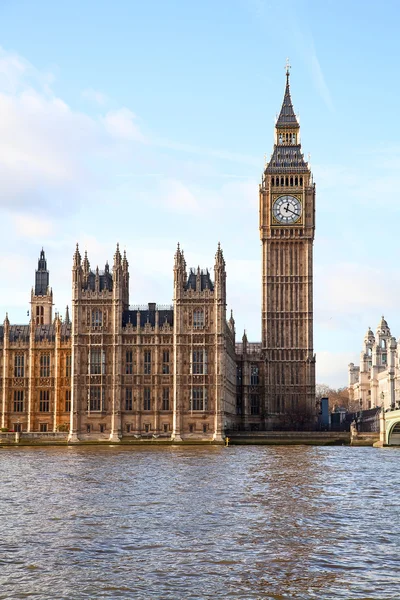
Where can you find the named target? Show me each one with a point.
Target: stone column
(6, 344)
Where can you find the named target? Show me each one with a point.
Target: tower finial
(287, 67)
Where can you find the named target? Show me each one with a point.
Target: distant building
(117, 370)
(376, 381)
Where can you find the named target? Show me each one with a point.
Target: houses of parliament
(111, 370)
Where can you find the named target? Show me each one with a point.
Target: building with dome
(115, 370)
(376, 381)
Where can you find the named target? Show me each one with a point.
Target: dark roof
(48, 332)
(42, 332)
(148, 315)
(105, 281)
(287, 158)
(287, 117)
(205, 280)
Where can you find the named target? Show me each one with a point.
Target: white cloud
(176, 197)
(31, 226)
(95, 96)
(122, 124)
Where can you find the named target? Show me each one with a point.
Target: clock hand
(292, 211)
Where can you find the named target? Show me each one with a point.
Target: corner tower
(287, 223)
(42, 294)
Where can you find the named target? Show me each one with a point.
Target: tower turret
(42, 294)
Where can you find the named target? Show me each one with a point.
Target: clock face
(287, 210)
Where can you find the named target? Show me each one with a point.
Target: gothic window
(282, 181)
(296, 181)
(18, 400)
(198, 399)
(147, 362)
(199, 362)
(238, 375)
(97, 361)
(383, 343)
(301, 181)
(128, 399)
(43, 427)
(273, 181)
(165, 366)
(165, 399)
(384, 358)
(254, 375)
(254, 404)
(44, 401)
(67, 400)
(198, 318)
(68, 363)
(96, 399)
(291, 181)
(45, 365)
(97, 318)
(19, 365)
(128, 363)
(146, 399)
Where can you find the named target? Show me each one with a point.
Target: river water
(199, 522)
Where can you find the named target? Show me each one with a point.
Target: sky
(147, 124)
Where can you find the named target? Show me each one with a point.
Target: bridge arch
(394, 434)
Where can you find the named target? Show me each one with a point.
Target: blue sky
(147, 123)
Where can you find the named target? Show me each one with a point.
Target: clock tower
(287, 223)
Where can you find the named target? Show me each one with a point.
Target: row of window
(254, 375)
(44, 401)
(19, 365)
(198, 364)
(286, 181)
(96, 399)
(198, 318)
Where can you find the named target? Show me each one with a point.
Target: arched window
(287, 180)
(273, 181)
(282, 181)
(296, 181)
(383, 343)
(301, 181)
(97, 318)
(291, 181)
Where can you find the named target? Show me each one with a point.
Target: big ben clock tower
(287, 223)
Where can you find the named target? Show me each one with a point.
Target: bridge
(390, 428)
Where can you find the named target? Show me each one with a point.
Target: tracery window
(165, 365)
(198, 399)
(146, 399)
(44, 401)
(147, 362)
(67, 400)
(198, 318)
(254, 375)
(128, 399)
(165, 399)
(19, 401)
(97, 361)
(96, 398)
(19, 365)
(97, 318)
(199, 362)
(68, 363)
(128, 363)
(254, 404)
(45, 365)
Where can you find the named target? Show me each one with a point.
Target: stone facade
(376, 381)
(176, 371)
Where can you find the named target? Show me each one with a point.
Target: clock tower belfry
(287, 223)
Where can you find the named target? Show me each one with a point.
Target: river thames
(199, 522)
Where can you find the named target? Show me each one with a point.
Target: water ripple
(197, 523)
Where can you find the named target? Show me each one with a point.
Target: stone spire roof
(287, 116)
